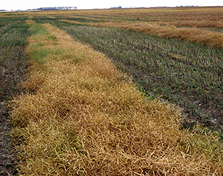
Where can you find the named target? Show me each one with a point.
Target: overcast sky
(88, 4)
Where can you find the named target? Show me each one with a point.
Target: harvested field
(83, 116)
(141, 95)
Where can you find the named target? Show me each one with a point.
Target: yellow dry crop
(30, 22)
(81, 116)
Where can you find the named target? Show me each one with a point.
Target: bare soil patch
(7, 152)
(11, 68)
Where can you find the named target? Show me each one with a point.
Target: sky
(90, 4)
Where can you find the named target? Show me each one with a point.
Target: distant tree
(56, 8)
(119, 7)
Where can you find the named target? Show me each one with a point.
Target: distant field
(79, 111)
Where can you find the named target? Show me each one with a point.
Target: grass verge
(81, 116)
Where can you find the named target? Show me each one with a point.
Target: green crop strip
(38, 29)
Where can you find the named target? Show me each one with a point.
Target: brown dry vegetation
(195, 23)
(82, 116)
(70, 21)
(30, 22)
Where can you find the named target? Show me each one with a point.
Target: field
(142, 94)
(167, 63)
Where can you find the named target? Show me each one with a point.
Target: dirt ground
(11, 75)
(7, 152)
